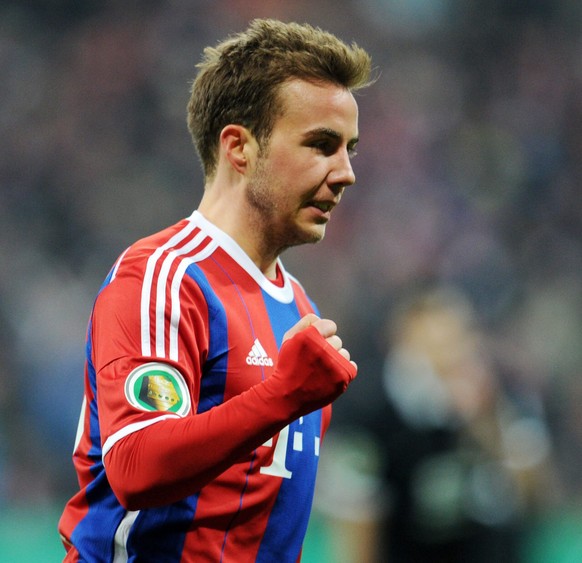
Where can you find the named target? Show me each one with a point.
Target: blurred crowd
(453, 267)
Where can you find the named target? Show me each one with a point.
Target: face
(301, 174)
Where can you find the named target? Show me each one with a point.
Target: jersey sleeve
(138, 382)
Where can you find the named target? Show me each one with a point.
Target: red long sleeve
(176, 457)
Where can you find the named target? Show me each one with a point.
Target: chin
(307, 233)
(315, 234)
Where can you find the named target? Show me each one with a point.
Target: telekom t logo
(278, 467)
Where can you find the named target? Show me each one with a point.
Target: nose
(342, 174)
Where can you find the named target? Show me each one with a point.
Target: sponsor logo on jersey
(258, 356)
(158, 387)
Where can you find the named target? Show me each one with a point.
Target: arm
(175, 458)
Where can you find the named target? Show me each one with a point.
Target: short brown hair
(239, 79)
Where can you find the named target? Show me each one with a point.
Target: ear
(237, 143)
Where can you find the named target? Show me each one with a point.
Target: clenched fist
(313, 368)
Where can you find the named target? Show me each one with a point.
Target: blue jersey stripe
(105, 513)
(94, 535)
(159, 533)
(288, 520)
(213, 381)
(95, 451)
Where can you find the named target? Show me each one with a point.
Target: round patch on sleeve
(158, 387)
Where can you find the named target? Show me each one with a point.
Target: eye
(323, 146)
(352, 152)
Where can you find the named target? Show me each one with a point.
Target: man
(209, 375)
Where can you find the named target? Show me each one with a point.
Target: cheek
(282, 165)
(299, 174)
(296, 171)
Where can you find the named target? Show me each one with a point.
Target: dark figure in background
(464, 461)
(445, 465)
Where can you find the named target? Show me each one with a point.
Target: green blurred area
(29, 535)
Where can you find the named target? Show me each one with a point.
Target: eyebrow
(332, 133)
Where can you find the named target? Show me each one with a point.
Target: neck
(228, 210)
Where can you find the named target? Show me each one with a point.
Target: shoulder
(151, 256)
(147, 272)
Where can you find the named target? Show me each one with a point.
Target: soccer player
(209, 375)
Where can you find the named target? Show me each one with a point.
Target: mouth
(323, 206)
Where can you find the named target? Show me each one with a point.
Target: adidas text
(259, 361)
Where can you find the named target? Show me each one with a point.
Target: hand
(313, 368)
(326, 327)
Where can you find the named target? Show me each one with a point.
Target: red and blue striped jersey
(184, 322)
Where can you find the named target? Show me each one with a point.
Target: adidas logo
(257, 356)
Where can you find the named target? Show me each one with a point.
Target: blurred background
(453, 268)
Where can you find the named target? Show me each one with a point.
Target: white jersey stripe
(161, 290)
(116, 267)
(175, 295)
(122, 535)
(130, 429)
(81, 424)
(146, 346)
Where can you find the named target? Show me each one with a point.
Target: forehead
(309, 106)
